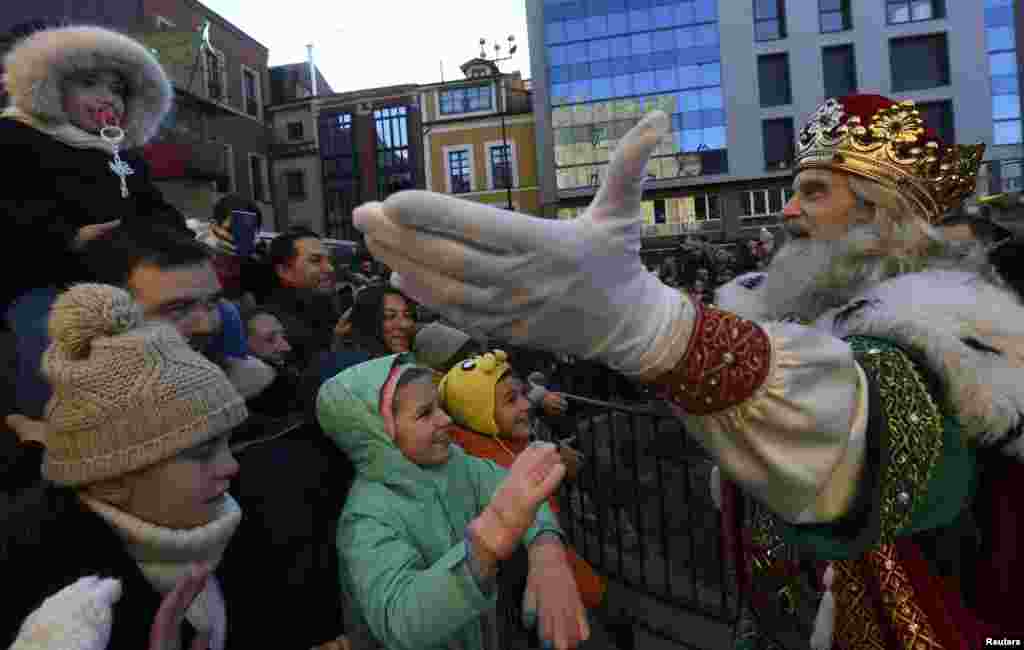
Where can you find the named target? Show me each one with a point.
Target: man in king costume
(866, 389)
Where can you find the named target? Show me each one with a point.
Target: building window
(1001, 43)
(466, 100)
(460, 171)
(501, 170)
(765, 202)
(340, 174)
(939, 117)
(773, 80)
(840, 70)
(908, 11)
(769, 20)
(214, 76)
(919, 62)
(834, 15)
(295, 131)
(258, 177)
(707, 207)
(779, 143)
(295, 185)
(394, 165)
(251, 92)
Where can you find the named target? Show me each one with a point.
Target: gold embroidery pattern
(860, 615)
(727, 360)
(856, 619)
(899, 605)
(914, 425)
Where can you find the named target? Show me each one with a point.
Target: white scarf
(67, 133)
(165, 556)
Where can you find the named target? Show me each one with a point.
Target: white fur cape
(970, 332)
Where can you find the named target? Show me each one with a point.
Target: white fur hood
(37, 65)
(970, 332)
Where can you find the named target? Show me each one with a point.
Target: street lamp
(497, 76)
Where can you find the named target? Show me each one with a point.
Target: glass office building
(611, 61)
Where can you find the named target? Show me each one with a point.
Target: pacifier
(110, 131)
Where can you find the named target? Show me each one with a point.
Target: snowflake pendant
(122, 170)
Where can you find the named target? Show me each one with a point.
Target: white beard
(809, 277)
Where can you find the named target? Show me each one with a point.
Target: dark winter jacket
(50, 539)
(309, 319)
(50, 191)
(292, 488)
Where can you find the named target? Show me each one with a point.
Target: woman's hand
(531, 480)
(167, 624)
(553, 599)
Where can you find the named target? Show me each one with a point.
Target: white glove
(78, 617)
(576, 287)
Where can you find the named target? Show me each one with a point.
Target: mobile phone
(244, 226)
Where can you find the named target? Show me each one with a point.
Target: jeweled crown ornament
(889, 143)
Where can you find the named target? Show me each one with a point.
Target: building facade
(480, 139)
(294, 155)
(350, 148)
(215, 140)
(738, 79)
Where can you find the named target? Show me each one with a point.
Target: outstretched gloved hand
(576, 286)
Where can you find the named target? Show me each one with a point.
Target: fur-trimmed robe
(969, 332)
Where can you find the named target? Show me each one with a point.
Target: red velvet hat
(889, 143)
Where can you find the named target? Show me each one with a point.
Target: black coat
(309, 319)
(50, 190)
(50, 539)
(291, 488)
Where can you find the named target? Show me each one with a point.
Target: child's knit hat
(467, 391)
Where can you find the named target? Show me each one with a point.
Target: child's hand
(93, 231)
(571, 458)
(555, 404)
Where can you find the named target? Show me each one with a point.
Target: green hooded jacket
(400, 538)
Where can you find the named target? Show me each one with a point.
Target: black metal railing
(641, 512)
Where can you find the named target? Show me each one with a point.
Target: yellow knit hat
(467, 391)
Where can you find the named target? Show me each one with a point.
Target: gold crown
(895, 150)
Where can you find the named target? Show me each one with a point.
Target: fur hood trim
(970, 331)
(37, 66)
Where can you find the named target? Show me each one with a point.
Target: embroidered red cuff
(727, 360)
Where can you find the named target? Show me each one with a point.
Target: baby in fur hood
(65, 183)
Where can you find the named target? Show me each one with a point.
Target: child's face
(511, 408)
(93, 100)
(185, 491)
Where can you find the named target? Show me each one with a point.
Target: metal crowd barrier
(640, 510)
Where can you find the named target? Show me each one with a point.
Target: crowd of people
(214, 445)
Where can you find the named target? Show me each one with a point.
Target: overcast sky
(362, 44)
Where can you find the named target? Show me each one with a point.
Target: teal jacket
(401, 535)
